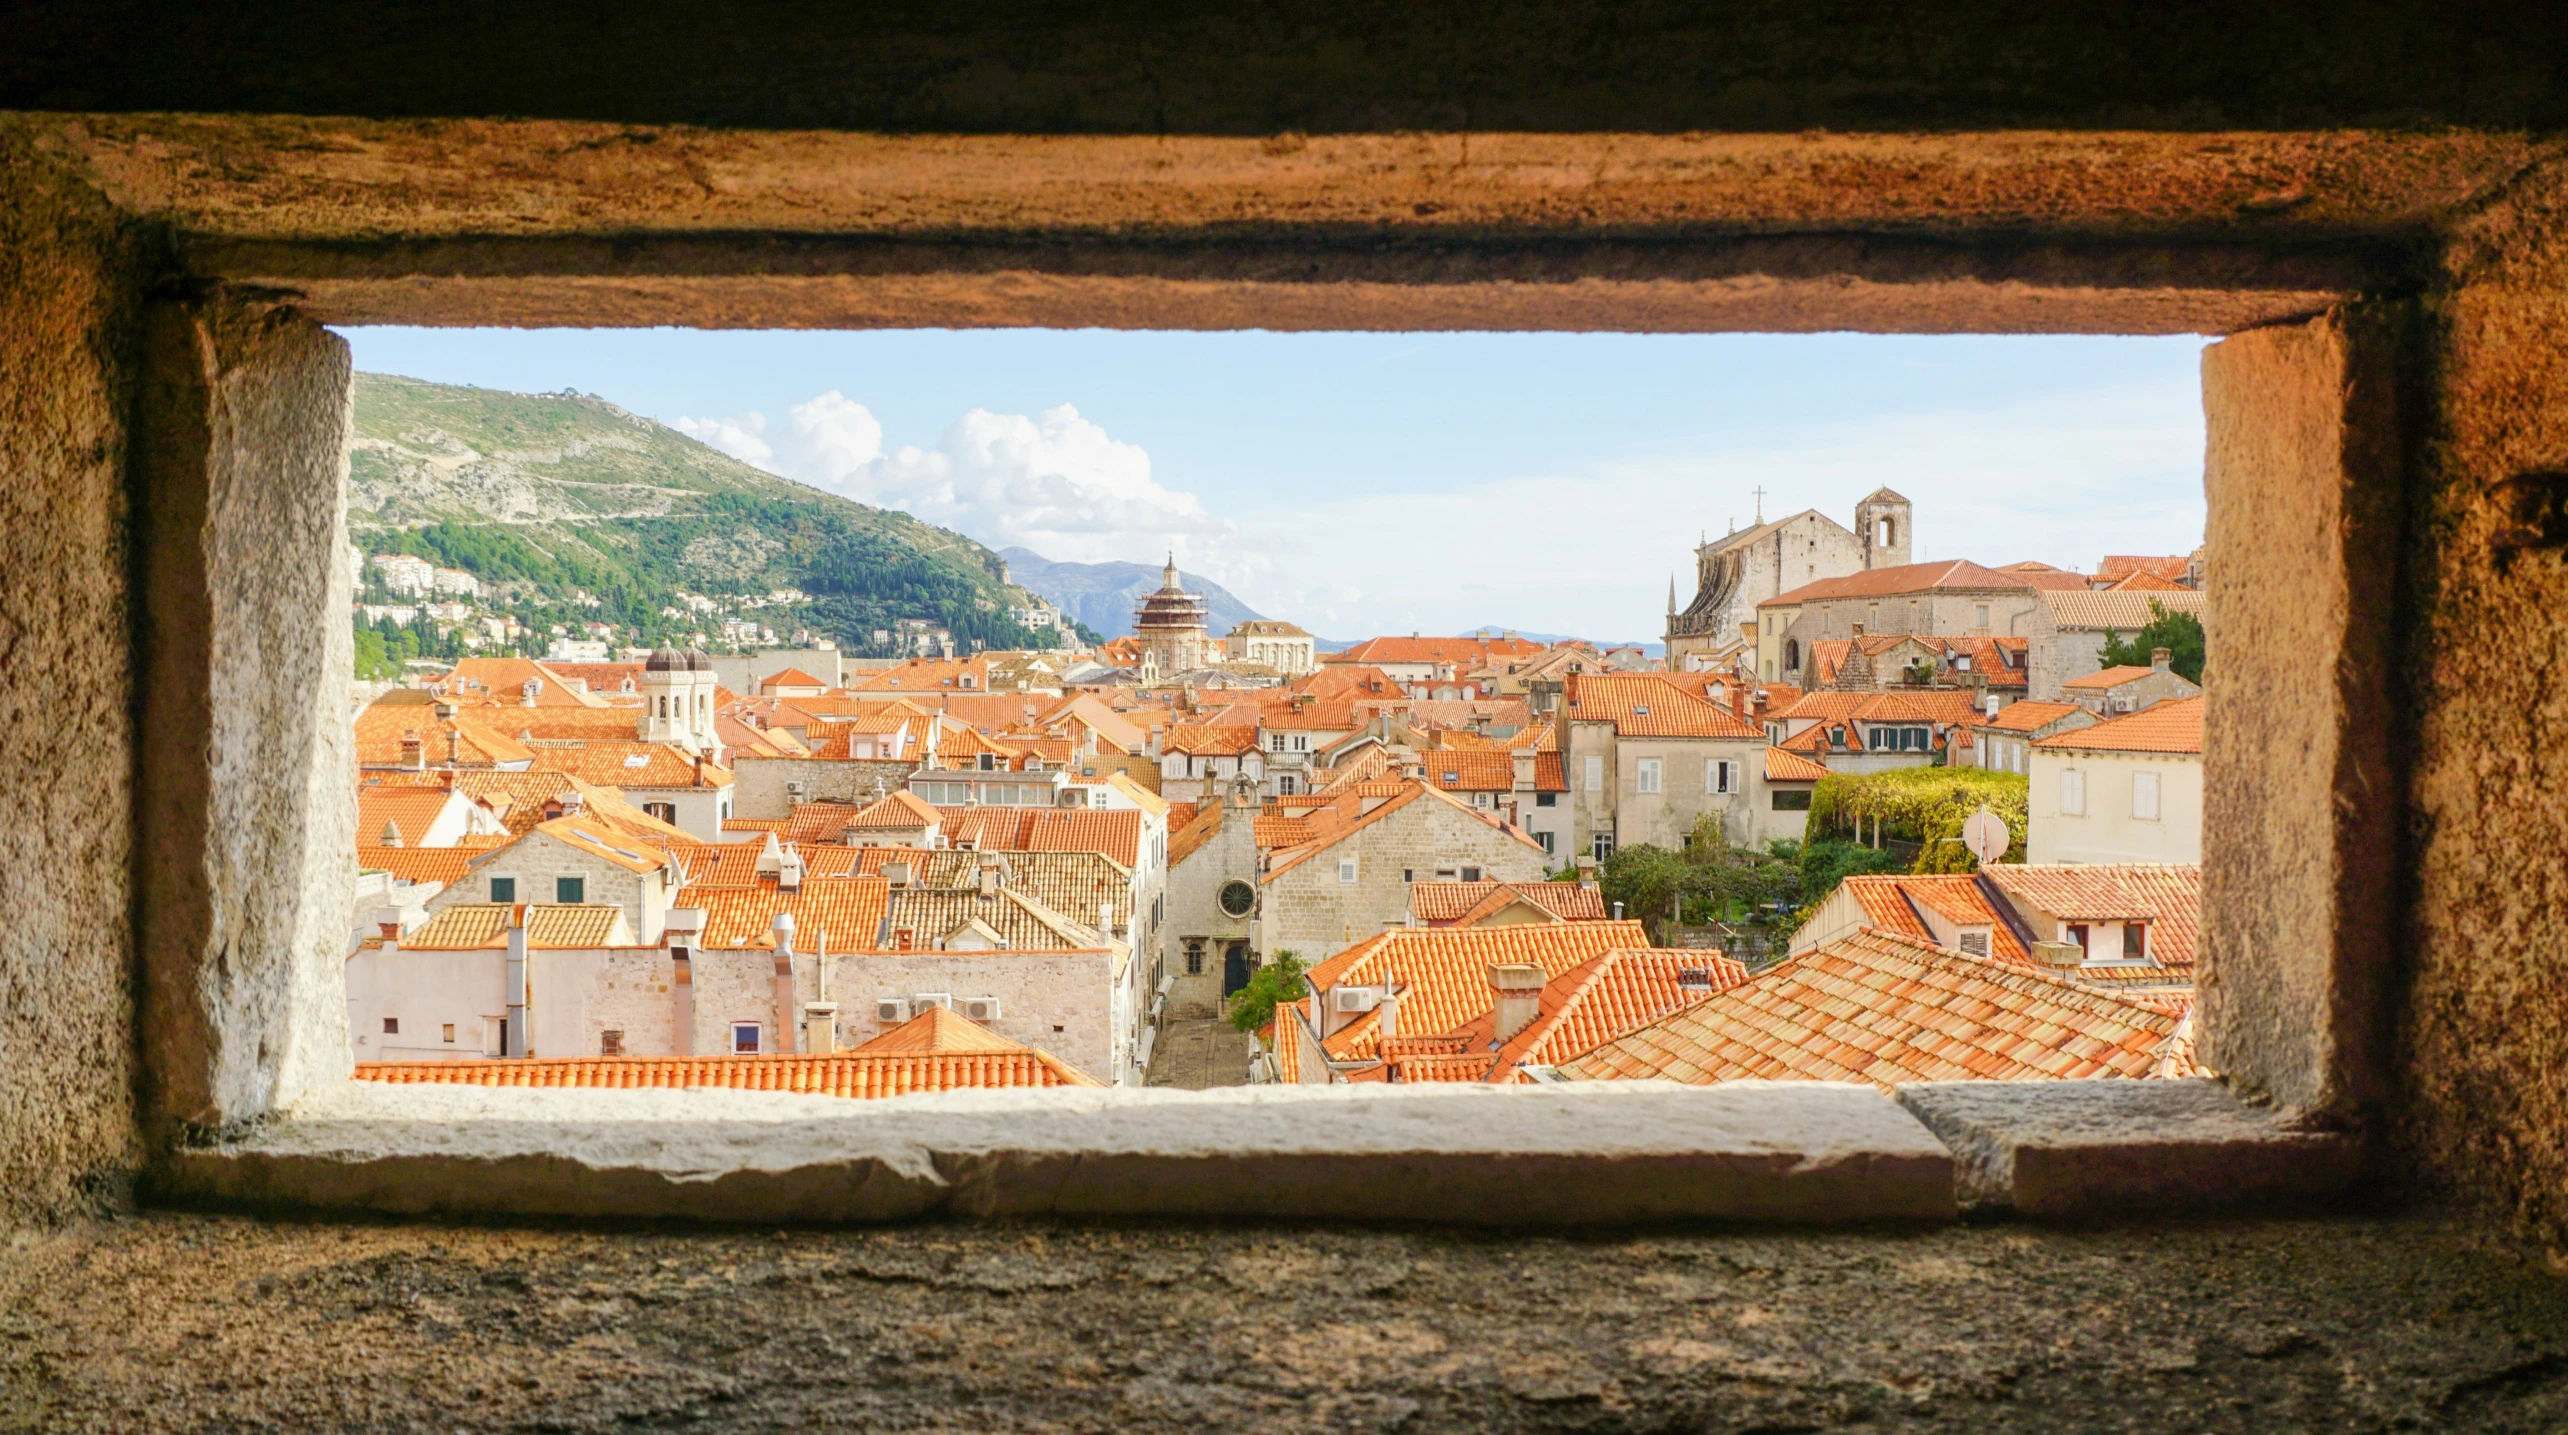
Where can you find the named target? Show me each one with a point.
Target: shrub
(1279, 981)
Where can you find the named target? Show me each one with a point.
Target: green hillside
(547, 497)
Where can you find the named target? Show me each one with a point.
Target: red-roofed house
(1645, 761)
(1535, 1023)
(2128, 789)
(2114, 691)
(1342, 871)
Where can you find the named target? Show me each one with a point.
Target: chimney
(1387, 1016)
(1992, 705)
(514, 1043)
(820, 1027)
(682, 929)
(2058, 954)
(387, 921)
(1586, 864)
(414, 753)
(391, 836)
(2159, 658)
(896, 875)
(454, 749)
(784, 929)
(988, 875)
(789, 876)
(1518, 989)
(1618, 911)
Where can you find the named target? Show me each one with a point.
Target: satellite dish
(1986, 836)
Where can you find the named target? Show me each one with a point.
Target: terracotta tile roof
(503, 681)
(2124, 565)
(847, 1074)
(847, 910)
(1948, 574)
(932, 915)
(599, 840)
(1211, 739)
(1890, 904)
(1202, 827)
(561, 724)
(1117, 834)
(2171, 727)
(1490, 770)
(938, 1029)
(2028, 716)
(444, 865)
(477, 741)
(477, 926)
(1445, 971)
(1549, 774)
(2144, 583)
(610, 763)
(1439, 713)
(1359, 808)
(2167, 895)
(1073, 884)
(410, 811)
(1150, 803)
(1461, 903)
(821, 821)
(1785, 766)
(1579, 1010)
(2124, 612)
(2110, 677)
(719, 864)
(602, 678)
(901, 808)
(793, 678)
(1640, 705)
(1462, 652)
(1887, 1009)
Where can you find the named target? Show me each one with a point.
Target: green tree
(2179, 633)
(1825, 864)
(1645, 879)
(1279, 981)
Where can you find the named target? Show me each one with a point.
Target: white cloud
(1056, 483)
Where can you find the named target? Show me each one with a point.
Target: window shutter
(2144, 796)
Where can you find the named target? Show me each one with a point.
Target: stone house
(2128, 789)
(1952, 598)
(1196, 758)
(1283, 646)
(439, 991)
(676, 787)
(1341, 873)
(2004, 742)
(1213, 894)
(1790, 779)
(573, 861)
(2071, 626)
(1645, 760)
(2115, 692)
(1740, 570)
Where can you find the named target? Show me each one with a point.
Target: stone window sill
(1788, 1152)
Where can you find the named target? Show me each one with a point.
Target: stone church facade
(1736, 572)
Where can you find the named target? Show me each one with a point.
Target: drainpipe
(515, 1043)
(785, 983)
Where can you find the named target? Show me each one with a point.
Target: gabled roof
(1116, 833)
(1444, 971)
(1950, 574)
(628, 763)
(1490, 770)
(2029, 716)
(2173, 727)
(930, 915)
(1360, 807)
(847, 1074)
(599, 840)
(900, 808)
(478, 926)
(1212, 739)
(1463, 652)
(1887, 1009)
(2124, 612)
(793, 678)
(939, 1029)
(1890, 902)
(502, 681)
(2123, 565)
(1463, 903)
(1580, 1009)
(2167, 895)
(444, 865)
(1644, 705)
(848, 911)
(2110, 677)
(411, 811)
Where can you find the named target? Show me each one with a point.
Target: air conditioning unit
(923, 1000)
(793, 787)
(891, 1011)
(1350, 1000)
(981, 1009)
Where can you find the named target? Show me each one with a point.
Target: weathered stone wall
(1060, 1002)
(1194, 910)
(1308, 911)
(537, 861)
(68, 350)
(758, 783)
(2484, 1056)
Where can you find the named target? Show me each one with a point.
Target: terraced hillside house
(1645, 761)
(2129, 789)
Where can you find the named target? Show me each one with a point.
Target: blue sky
(1362, 483)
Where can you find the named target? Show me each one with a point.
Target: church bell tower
(1882, 522)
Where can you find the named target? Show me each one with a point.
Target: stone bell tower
(1881, 521)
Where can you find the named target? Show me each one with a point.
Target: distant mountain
(1102, 595)
(1651, 646)
(548, 496)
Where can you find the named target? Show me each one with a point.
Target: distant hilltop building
(1736, 572)
(1169, 626)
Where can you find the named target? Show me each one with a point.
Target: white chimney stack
(820, 1027)
(1518, 988)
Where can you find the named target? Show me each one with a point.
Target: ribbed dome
(699, 661)
(666, 660)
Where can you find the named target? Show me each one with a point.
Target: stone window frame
(239, 455)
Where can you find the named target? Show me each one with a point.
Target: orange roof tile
(2172, 727)
(1957, 897)
(2167, 895)
(938, 1029)
(1445, 970)
(1947, 574)
(479, 926)
(1582, 1009)
(1212, 739)
(2123, 565)
(1887, 1009)
(846, 911)
(2124, 612)
(599, 840)
(1467, 770)
(792, 678)
(2110, 677)
(2029, 716)
(626, 763)
(846, 1074)
(417, 864)
(1462, 903)
(1640, 705)
(1783, 766)
(1115, 833)
(410, 811)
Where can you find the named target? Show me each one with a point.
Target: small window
(1981, 615)
(1547, 799)
(1346, 869)
(1602, 845)
(1237, 898)
(2144, 796)
(1544, 840)
(1408, 875)
(570, 890)
(1787, 800)
(392, 1026)
(450, 1033)
(2078, 934)
(1648, 773)
(1471, 874)
(1194, 957)
(503, 889)
(744, 1038)
(2135, 941)
(665, 811)
(2072, 793)
(610, 1043)
(1975, 943)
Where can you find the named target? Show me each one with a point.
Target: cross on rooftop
(1760, 493)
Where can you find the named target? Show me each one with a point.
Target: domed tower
(1882, 522)
(1170, 626)
(677, 698)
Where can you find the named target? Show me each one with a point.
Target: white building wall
(2108, 831)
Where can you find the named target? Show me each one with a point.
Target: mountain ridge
(1102, 595)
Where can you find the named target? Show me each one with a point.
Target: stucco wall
(67, 370)
(1037, 992)
(2107, 831)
